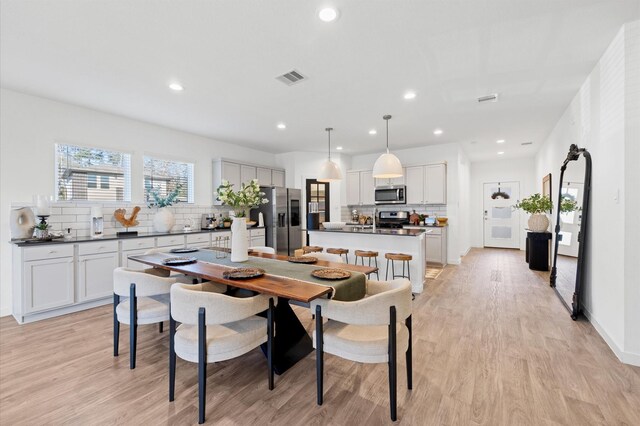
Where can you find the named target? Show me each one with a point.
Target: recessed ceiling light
(410, 95)
(437, 132)
(176, 86)
(339, 148)
(500, 141)
(500, 152)
(328, 14)
(282, 126)
(373, 132)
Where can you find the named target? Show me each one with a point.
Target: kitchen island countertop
(377, 231)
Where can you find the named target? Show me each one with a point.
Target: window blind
(167, 175)
(92, 174)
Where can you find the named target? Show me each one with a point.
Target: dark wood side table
(537, 250)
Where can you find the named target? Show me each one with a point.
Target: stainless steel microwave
(392, 194)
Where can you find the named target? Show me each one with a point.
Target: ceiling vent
(489, 98)
(290, 78)
(526, 143)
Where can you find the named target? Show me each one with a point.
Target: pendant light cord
(329, 129)
(387, 121)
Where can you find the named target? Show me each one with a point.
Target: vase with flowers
(164, 219)
(538, 206)
(241, 201)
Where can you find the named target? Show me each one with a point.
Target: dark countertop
(34, 243)
(369, 231)
(423, 226)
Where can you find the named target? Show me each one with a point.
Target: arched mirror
(571, 218)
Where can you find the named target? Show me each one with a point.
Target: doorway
(501, 221)
(318, 193)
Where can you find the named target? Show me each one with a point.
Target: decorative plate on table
(184, 250)
(173, 261)
(243, 273)
(331, 274)
(302, 259)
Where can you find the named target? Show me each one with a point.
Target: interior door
(501, 221)
(570, 222)
(318, 192)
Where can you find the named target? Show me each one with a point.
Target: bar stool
(404, 258)
(370, 255)
(311, 249)
(340, 252)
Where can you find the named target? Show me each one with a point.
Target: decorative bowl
(442, 220)
(333, 225)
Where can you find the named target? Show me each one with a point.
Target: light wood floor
(492, 345)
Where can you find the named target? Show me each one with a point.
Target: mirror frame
(574, 154)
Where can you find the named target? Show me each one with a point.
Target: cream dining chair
(370, 330)
(216, 327)
(263, 249)
(327, 257)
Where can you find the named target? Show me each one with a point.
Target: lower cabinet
(95, 275)
(48, 284)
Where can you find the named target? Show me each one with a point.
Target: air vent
(526, 143)
(489, 98)
(290, 78)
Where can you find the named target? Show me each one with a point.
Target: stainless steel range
(393, 219)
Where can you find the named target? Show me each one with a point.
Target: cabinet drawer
(138, 243)
(98, 247)
(178, 240)
(50, 251)
(198, 238)
(434, 231)
(257, 233)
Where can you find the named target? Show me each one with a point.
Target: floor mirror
(571, 220)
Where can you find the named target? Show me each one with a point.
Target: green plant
(160, 201)
(568, 205)
(226, 219)
(535, 204)
(247, 197)
(43, 226)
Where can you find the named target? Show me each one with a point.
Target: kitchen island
(408, 241)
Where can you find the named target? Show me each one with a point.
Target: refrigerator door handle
(282, 220)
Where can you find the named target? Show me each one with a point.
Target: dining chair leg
(392, 364)
(270, 343)
(133, 326)
(408, 354)
(160, 326)
(202, 364)
(172, 358)
(386, 274)
(377, 269)
(319, 354)
(116, 325)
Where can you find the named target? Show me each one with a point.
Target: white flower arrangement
(247, 197)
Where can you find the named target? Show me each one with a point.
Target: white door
(353, 188)
(570, 222)
(501, 221)
(435, 184)
(415, 185)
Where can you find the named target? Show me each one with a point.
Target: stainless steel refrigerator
(282, 217)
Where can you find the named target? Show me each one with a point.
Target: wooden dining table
(291, 341)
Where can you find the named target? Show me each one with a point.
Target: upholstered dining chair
(328, 257)
(216, 327)
(263, 249)
(370, 330)
(147, 303)
(181, 278)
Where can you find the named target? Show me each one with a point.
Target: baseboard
(625, 357)
(454, 262)
(466, 252)
(5, 311)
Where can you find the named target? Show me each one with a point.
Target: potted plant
(42, 230)
(243, 200)
(537, 206)
(226, 222)
(164, 219)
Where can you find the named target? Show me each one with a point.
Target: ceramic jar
(163, 220)
(538, 222)
(239, 240)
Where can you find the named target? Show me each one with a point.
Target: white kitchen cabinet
(48, 284)
(171, 241)
(231, 172)
(360, 188)
(257, 237)
(247, 173)
(367, 188)
(135, 247)
(95, 275)
(435, 243)
(264, 176)
(393, 181)
(199, 240)
(415, 185)
(277, 178)
(435, 186)
(353, 188)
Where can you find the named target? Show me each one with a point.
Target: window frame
(190, 174)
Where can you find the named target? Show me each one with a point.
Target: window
(92, 174)
(166, 176)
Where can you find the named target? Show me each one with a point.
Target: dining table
(282, 279)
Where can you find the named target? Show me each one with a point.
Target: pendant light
(387, 166)
(329, 171)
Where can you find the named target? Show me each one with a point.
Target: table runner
(352, 288)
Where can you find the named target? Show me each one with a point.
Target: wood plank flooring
(492, 346)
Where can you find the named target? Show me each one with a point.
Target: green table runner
(352, 288)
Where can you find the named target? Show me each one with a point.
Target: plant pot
(538, 222)
(226, 224)
(163, 220)
(41, 233)
(239, 240)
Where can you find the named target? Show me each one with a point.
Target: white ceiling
(120, 56)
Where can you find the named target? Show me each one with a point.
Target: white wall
(603, 117)
(518, 169)
(30, 126)
(464, 190)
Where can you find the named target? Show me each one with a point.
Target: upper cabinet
(425, 185)
(237, 173)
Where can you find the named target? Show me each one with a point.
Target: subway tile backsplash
(432, 211)
(77, 216)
